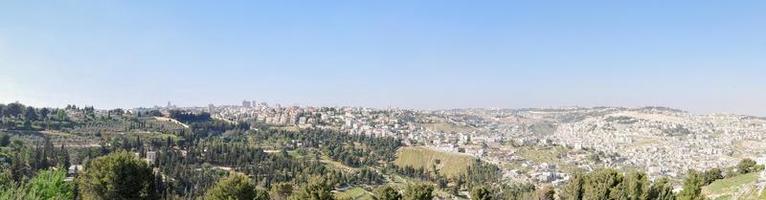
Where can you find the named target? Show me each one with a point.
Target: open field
(337, 165)
(450, 164)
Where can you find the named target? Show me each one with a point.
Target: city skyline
(703, 57)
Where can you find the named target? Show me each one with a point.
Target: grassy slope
(452, 164)
(738, 187)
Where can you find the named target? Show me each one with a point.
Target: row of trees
(192, 162)
(611, 184)
(19, 116)
(352, 150)
(189, 117)
(23, 161)
(121, 175)
(238, 186)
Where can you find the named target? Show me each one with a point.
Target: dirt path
(171, 120)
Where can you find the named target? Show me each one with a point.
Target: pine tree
(692, 189)
(636, 186)
(481, 193)
(573, 190)
(317, 189)
(387, 193)
(420, 191)
(235, 186)
(662, 190)
(120, 175)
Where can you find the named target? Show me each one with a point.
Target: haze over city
(698, 56)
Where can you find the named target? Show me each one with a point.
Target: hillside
(449, 164)
(743, 187)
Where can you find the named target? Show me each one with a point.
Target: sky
(701, 56)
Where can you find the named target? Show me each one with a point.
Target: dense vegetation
(186, 161)
(83, 153)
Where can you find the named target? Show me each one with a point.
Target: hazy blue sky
(703, 56)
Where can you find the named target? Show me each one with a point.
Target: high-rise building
(246, 103)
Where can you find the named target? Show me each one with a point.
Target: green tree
(281, 191)
(15, 192)
(387, 193)
(50, 184)
(44, 113)
(235, 187)
(316, 189)
(419, 191)
(261, 195)
(481, 193)
(636, 186)
(573, 190)
(14, 110)
(5, 140)
(27, 124)
(61, 115)
(602, 184)
(745, 166)
(5, 175)
(711, 175)
(692, 189)
(517, 191)
(120, 175)
(30, 114)
(662, 190)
